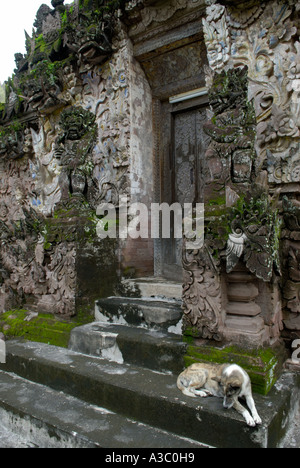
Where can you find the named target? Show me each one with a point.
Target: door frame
(163, 128)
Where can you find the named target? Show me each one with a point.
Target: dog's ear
(235, 384)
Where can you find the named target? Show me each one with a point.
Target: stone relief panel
(264, 38)
(202, 296)
(68, 151)
(106, 94)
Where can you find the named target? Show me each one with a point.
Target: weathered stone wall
(76, 132)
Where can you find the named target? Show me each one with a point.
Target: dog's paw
(202, 393)
(249, 420)
(257, 419)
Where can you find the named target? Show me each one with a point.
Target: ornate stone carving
(201, 295)
(263, 37)
(66, 36)
(148, 15)
(12, 105)
(291, 216)
(64, 172)
(231, 129)
(255, 233)
(41, 16)
(62, 277)
(73, 149)
(244, 14)
(291, 258)
(11, 144)
(107, 96)
(217, 37)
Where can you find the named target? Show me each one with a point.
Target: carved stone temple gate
(242, 163)
(159, 101)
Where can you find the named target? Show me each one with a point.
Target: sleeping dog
(227, 381)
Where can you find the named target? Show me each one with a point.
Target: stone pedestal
(244, 323)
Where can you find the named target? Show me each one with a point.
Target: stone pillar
(244, 323)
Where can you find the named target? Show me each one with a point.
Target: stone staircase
(115, 387)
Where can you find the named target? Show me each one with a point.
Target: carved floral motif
(217, 37)
(201, 295)
(255, 234)
(263, 37)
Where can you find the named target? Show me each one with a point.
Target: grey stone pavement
(10, 439)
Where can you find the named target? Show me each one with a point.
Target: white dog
(227, 381)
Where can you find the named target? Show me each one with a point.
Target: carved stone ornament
(263, 37)
(66, 36)
(255, 233)
(201, 295)
(73, 149)
(217, 37)
(231, 129)
(291, 253)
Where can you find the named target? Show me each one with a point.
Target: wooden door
(182, 177)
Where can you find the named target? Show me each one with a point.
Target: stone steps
(157, 313)
(157, 350)
(34, 415)
(143, 395)
(155, 287)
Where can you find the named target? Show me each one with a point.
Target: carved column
(244, 321)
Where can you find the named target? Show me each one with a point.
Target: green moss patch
(45, 328)
(263, 365)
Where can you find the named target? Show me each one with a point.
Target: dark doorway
(183, 144)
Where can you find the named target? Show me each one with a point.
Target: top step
(156, 287)
(148, 312)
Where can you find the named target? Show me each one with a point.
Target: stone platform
(67, 398)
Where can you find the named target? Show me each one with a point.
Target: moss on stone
(263, 364)
(45, 328)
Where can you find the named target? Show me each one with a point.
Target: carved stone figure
(231, 129)
(73, 149)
